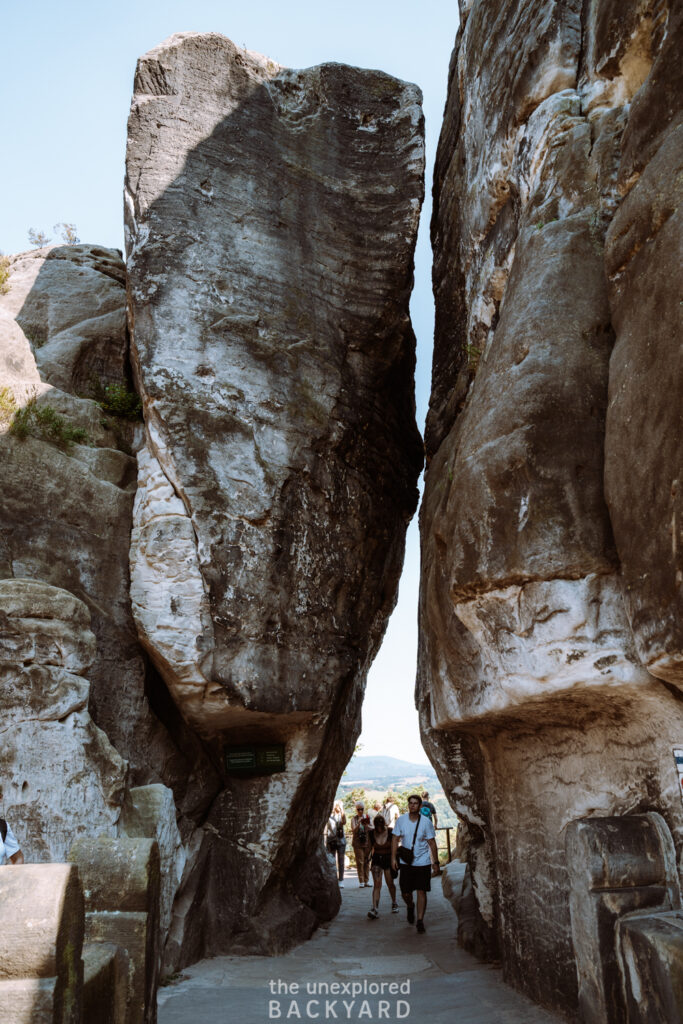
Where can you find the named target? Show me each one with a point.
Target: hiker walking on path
(429, 809)
(335, 840)
(360, 840)
(418, 858)
(10, 852)
(380, 849)
(390, 811)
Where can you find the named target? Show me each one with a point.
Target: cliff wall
(549, 678)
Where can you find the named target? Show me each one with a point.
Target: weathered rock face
(61, 777)
(271, 218)
(67, 507)
(67, 519)
(550, 603)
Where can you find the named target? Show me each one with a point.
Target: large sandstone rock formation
(75, 703)
(67, 508)
(550, 650)
(271, 219)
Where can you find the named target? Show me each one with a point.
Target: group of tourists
(391, 845)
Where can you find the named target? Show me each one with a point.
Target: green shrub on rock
(118, 400)
(47, 424)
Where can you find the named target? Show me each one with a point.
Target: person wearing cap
(10, 852)
(360, 840)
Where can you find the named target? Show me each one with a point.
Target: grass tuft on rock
(8, 405)
(4, 274)
(46, 423)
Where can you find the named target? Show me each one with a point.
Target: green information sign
(259, 759)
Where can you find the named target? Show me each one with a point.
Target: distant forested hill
(371, 777)
(374, 769)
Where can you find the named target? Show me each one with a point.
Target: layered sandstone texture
(81, 709)
(68, 483)
(271, 218)
(61, 777)
(551, 637)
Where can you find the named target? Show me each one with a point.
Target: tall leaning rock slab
(549, 667)
(271, 219)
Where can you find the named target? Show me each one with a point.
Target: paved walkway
(438, 983)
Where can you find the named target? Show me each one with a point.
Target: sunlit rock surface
(67, 506)
(65, 529)
(271, 219)
(61, 777)
(551, 577)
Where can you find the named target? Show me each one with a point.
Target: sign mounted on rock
(255, 760)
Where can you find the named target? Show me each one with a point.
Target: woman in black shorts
(380, 847)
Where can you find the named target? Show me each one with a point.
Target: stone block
(121, 886)
(32, 1000)
(617, 866)
(150, 813)
(41, 940)
(105, 983)
(651, 956)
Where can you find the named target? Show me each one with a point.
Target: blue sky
(68, 75)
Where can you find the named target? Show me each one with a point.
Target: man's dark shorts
(412, 878)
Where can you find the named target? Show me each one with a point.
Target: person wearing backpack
(10, 852)
(335, 840)
(417, 856)
(429, 809)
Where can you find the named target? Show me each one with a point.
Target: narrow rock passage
(445, 983)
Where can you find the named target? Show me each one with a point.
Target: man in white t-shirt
(415, 832)
(9, 847)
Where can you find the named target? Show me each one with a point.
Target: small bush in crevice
(47, 424)
(118, 400)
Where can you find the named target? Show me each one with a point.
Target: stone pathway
(437, 982)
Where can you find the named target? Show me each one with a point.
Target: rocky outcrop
(68, 476)
(271, 219)
(61, 777)
(67, 504)
(550, 599)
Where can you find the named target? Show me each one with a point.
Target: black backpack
(3, 829)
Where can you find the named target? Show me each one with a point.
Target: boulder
(270, 225)
(550, 593)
